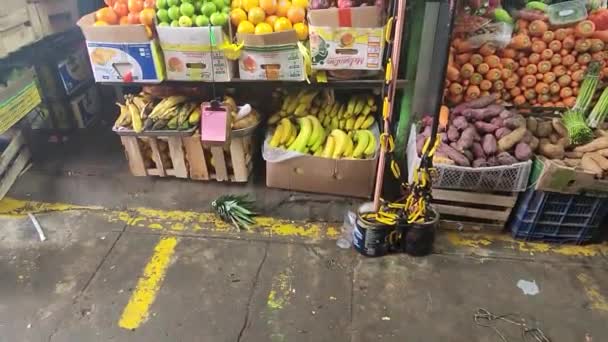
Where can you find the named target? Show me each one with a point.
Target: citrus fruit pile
(187, 13)
(267, 16)
(126, 12)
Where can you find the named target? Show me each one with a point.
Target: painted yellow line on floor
(592, 290)
(136, 311)
(181, 221)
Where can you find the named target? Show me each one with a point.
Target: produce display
(143, 112)
(267, 16)
(126, 12)
(188, 13)
(315, 122)
(322, 4)
(543, 63)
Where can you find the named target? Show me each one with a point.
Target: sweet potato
(489, 144)
(573, 155)
(532, 124)
(534, 143)
(597, 144)
(454, 155)
(508, 141)
(527, 137)
(544, 129)
(453, 134)
(572, 162)
(482, 162)
(484, 127)
(466, 138)
(486, 113)
(497, 121)
(504, 158)
(481, 102)
(443, 136)
(515, 122)
(492, 161)
(590, 165)
(468, 154)
(426, 132)
(549, 150)
(600, 160)
(460, 122)
(501, 132)
(505, 114)
(523, 151)
(553, 138)
(478, 151)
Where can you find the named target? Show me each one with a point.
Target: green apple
(226, 10)
(227, 3)
(173, 3)
(201, 20)
(163, 15)
(173, 13)
(219, 4)
(161, 4)
(208, 9)
(175, 23)
(187, 9)
(164, 23)
(187, 1)
(185, 21)
(198, 5)
(218, 19)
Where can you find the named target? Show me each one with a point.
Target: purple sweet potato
(486, 114)
(427, 131)
(508, 141)
(453, 133)
(444, 137)
(466, 138)
(427, 120)
(480, 163)
(497, 121)
(523, 151)
(456, 156)
(504, 158)
(481, 102)
(501, 132)
(527, 137)
(493, 161)
(468, 154)
(515, 122)
(484, 127)
(478, 151)
(460, 122)
(505, 114)
(489, 144)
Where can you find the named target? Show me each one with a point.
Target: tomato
(149, 3)
(133, 18)
(135, 6)
(121, 9)
(107, 15)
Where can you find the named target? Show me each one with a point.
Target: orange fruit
(149, 3)
(269, 6)
(235, 4)
(100, 23)
(301, 30)
(135, 5)
(282, 24)
(124, 20)
(245, 27)
(300, 3)
(146, 16)
(256, 15)
(296, 14)
(263, 28)
(107, 15)
(282, 8)
(249, 4)
(121, 9)
(133, 18)
(271, 19)
(237, 15)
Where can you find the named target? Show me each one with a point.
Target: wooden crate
(472, 211)
(15, 31)
(188, 157)
(48, 17)
(13, 160)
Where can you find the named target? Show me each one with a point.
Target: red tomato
(135, 6)
(121, 9)
(133, 18)
(149, 3)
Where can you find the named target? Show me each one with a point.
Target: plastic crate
(556, 217)
(493, 178)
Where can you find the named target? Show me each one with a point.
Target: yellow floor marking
(136, 311)
(592, 290)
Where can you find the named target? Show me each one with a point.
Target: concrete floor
(114, 272)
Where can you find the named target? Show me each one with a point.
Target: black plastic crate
(556, 217)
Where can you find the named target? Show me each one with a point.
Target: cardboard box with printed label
(271, 56)
(346, 38)
(18, 97)
(122, 53)
(547, 175)
(189, 55)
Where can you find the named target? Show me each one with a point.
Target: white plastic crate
(494, 178)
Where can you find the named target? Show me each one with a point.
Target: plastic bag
(498, 34)
(346, 236)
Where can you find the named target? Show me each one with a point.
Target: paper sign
(214, 123)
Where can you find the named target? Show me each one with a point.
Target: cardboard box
(17, 99)
(348, 177)
(188, 54)
(271, 56)
(122, 53)
(547, 175)
(350, 38)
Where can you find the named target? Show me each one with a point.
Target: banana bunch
(300, 103)
(340, 144)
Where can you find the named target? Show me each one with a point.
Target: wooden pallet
(473, 211)
(188, 157)
(13, 160)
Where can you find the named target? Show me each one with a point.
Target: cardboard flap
(365, 17)
(112, 33)
(268, 39)
(188, 36)
(564, 179)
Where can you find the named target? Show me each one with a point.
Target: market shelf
(344, 84)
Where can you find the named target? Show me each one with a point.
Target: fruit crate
(557, 217)
(187, 157)
(494, 178)
(15, 157)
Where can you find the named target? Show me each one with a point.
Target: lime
(219, 4)
(201, 20)
(175, 23)
(163, 15)
(161, 4)
(218, 19)
(173, 13)
(187, 9)
(208, 9)
(185, 21)
(173, 3)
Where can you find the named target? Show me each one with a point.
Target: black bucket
(374, 239)
(420, 237)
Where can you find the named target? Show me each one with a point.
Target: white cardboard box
(189, 55)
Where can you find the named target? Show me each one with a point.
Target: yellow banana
(195, 116)
(330, 145)
(327, 121)
(348, 151)
(291, 105)
(283, 113)
(138, 125)
(342, 111)
(301, 109)
(341, 142)
(371, 144)
(321, 116)
(317, 131)
(362, 140)
(334, 123)
(288, 131)
(287, 102)
(369, 121)
(359, 105)
(303, 136)
(124, 119)
(317, 146)
(371, 100)
(276, 137)
(350, 107)
(274, 119)
(366, 110)
(334, 109)
(292, 138)
(342, 123)
(318, 153)
(350, 124)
